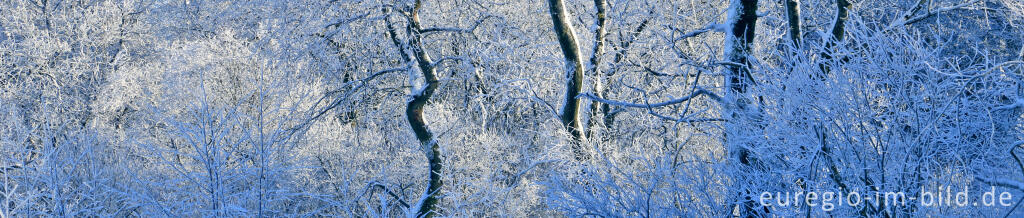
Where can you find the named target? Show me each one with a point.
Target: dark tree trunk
(838, 34)
(793, 16)
(414, 109)
(743, 18)
(842, 14)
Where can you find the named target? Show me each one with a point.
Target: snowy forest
(510, 108)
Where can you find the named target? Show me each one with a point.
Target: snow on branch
(910, 19)
(710, 27)
(346, 21)
(1002, 182)
(650, 107)
(338, 100)
(692, 95)
(1016, 104)
(455, 29)
(450, 58)
(375, 184)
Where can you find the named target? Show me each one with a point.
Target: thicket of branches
(604, 108)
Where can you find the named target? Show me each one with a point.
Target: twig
(692, 95)
(456, 30)
(386, 190)
(910, 19)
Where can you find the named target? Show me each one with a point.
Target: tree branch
(910, 19)
(708, 28)
(696, 93)
(1002, 182)
(455, 29)
(450, 58)
(337, 102)
(374, 184)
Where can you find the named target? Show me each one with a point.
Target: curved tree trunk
(574, 75)
(414, 113)
(414, 109)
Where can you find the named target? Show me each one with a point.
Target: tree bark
(842, 14)
(742, 20)
(793, 16)
(574, 75)
(414, 109)
(838, 34)
(598, 108)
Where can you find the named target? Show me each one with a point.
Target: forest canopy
(511, 108)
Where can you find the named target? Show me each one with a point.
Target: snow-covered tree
(421, 108)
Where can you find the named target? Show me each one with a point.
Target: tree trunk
(414, 111)
(838, 34)
(793, 16)
(742, 20)
(574, 75)
(598, 108)
(842, 14)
